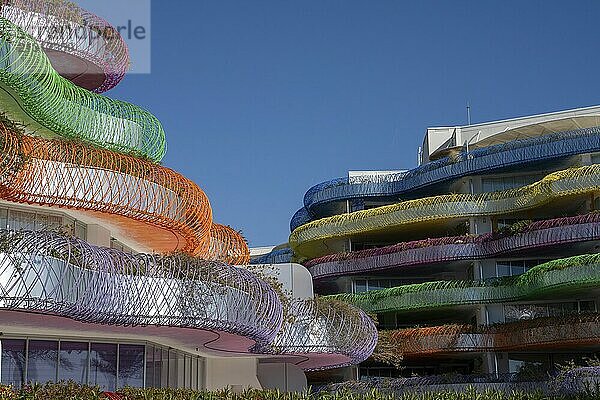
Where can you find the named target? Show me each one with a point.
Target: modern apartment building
(112, 271)
(481, 260)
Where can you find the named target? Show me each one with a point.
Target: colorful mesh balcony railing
(479, 161)
(559, 276)
(63, 29)
(326, 332)
(308, 240)
(49, 273)
(277, 256)
(71, 174)
(40, 96)
(536, 235)
(153, 204)
(539, 333)
(227, 245)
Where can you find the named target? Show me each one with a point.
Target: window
(506, 222)
(367, 285)
(173, 368)
(194, 383)
(528, 365)
(103, 366)
(515, 267)
(157, 366)
(164, 372)
(80, 230)
(200, 372)
(360, 286)
(149, 366)
(3, 218)
(516, 312)
(131, 365)
(587, 306)
(73, 361)
(26, 220)
(48, 222)
(188, 372)
(117, 245)
(507, 182)
(13, 362)
(110, 366)
(42, 361)
(21, 220)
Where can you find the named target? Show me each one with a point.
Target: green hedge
(558, 275)
(72, 391)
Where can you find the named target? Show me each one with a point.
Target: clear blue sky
(262, 99)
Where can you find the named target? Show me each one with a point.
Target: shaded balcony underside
(561, 277)
(537, 235)
(541, 334)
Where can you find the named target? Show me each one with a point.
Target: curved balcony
(81, 46)
(228, 309)
(484, 160)
(325, 334)
(276, 256)
(540, 333)
(57, 276)
(536, 235)
(154, 205)
(308, 240)
(34, 95)
(227, 245)
(565, 275)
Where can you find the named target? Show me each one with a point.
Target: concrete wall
(283, 377)
(234, 373)
(565, 120)
(98, 235)
(294, 277)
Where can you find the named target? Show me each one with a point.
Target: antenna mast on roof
(468, 113)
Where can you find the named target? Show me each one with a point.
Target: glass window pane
(164, 376)
(42, 362)
(587, 306)
(377, 284)
(180, 370)
(3, 218)
(80, 230)
(131, 365)
(73, 362)
(13, 362)
(149, 367)
(173, 369)
(532, 263)
(188, 372)
(47, 222)
(21, 220)
(487, 185)
(201, 369)
(360, 286)
(194, 373)
(503, 269)
(103, 366)
(518, 270)
(570, 308)
(157, 366)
